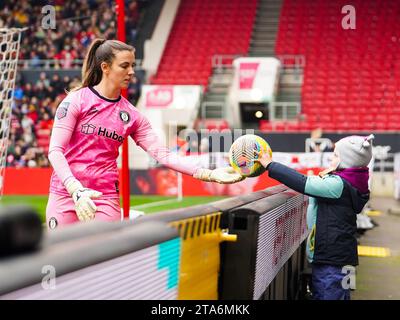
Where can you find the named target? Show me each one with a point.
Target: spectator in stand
(67, 57)
(77, 25)
(32, 112)
(56, 83)
(28, 90)
(27, 124)
(46, 123)
(74, 18)
(18, 93)
(43, 79)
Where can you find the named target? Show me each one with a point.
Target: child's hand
(263, 158)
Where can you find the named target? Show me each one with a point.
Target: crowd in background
(77, 24)
(33, 112)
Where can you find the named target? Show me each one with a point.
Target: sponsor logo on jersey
(110, 134)
(125, 117)
(103, 132)
(62, 110)
(88, 128)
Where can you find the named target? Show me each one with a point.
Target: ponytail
(101, 50)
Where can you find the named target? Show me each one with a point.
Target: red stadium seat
(353, 72)
(204, 28)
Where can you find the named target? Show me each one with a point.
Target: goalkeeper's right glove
(84, 205)
(223, 175)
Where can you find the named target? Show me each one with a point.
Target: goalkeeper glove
(84, 205)
(221, 175)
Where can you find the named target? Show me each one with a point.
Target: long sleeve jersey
(88, 131)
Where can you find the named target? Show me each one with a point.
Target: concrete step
(291, 79)
(223, 73)
(266, 23)
(218, 90)
(292, 87)
(220, 82)
(219, 86)
(262, 43)
(213, 108)
(212, 87)
(260, 35)
(213, 97)
(267, 14)
(214, 116)
(264, 35)
(270, 8)
(222, 76)
(265, 29)
(265, 26)
(262, 50)
(216, 111)
(288, 98)
(277, 3)
(264, 53)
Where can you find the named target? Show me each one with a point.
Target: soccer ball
(244, 150)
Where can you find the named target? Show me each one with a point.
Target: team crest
(124, 116)
(62, 110)
(53, 223)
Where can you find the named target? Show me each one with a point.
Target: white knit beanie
(354, 151)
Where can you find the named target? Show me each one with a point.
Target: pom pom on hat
(368, 140)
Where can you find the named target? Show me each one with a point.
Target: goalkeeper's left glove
(221, 175)
(84, 205)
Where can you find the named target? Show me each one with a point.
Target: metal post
(120, 8)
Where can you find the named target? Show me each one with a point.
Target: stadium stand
(36, 101)
(78, 25)
(351, 77)
(204, 28)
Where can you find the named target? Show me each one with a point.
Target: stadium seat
(204, 28)
(355, 73)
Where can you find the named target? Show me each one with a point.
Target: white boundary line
(179, 197)
(155, 204)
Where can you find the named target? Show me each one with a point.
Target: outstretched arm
(147, 139)
(314, 186)
(326, 187)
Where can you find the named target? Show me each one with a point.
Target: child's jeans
(327, 283)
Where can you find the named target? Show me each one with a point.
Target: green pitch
(142, 203)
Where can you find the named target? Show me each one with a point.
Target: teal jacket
(331, 214)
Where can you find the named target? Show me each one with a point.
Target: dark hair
(100, 50)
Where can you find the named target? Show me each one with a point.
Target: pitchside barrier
(245, 247)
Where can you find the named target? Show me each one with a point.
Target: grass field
(143, 203)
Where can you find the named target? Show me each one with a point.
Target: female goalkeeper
(90, 125)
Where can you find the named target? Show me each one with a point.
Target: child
(336, 196)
